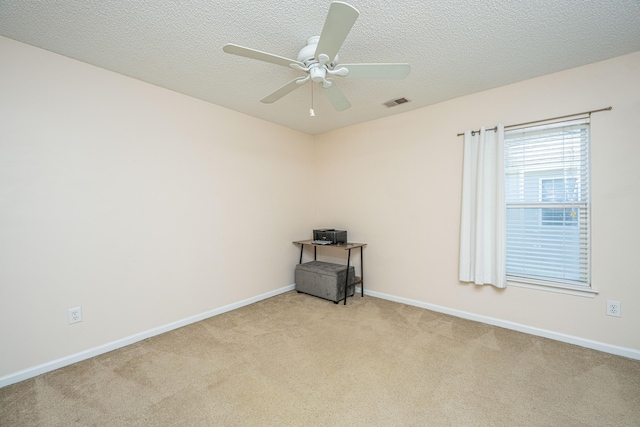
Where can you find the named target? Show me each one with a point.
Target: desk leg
(301, 250)
(361, 274)
(315, 253)
(346, 280)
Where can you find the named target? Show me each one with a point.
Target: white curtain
(482, 229)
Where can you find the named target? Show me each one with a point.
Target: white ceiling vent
(395, 102)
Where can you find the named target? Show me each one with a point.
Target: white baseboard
(595, 345)
(87, 354)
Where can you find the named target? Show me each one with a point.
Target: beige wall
(146, 207)
(139, 204)
(396, 183)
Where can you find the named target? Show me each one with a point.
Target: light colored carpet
(298, 360)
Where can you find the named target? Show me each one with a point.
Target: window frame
(575, 287)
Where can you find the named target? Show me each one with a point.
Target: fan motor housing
(307, 54)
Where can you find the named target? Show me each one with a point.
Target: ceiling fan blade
(337, 98)
(284, 90)
(234, 49)
(376, 71)
(339, 22)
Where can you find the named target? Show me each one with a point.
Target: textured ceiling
(455, 47)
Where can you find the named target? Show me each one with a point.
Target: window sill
(569, 290)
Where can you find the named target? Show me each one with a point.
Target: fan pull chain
(311, 112)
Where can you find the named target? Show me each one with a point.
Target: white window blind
(547, 198)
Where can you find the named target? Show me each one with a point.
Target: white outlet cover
(613, 308)
(75, 315)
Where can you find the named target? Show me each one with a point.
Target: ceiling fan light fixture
(317, 73)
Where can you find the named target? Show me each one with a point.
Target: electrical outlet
(75, 315)
(613, 308)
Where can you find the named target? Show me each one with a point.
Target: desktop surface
(348, 245)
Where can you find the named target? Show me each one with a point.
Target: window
(547, 198)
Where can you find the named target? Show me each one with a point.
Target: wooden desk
(347, 247)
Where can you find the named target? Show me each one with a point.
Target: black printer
(330, 235)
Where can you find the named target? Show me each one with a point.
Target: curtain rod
(546, 120)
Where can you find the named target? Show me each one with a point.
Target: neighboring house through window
(559, 190)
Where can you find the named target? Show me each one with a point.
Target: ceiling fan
(319, 59)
